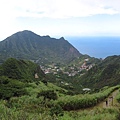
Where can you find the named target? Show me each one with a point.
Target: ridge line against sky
(60, 17)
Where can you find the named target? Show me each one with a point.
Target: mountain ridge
(28, 45)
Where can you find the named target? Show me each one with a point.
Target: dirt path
(110, 101)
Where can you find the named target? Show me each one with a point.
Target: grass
(29, 107)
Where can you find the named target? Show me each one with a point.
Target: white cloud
(58, 8)
(66, 8)
(10, 10)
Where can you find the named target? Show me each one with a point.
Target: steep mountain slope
(21, 70)
(43, 49)
(107, 73)
(21, 77)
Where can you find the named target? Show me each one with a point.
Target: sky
(58, 18)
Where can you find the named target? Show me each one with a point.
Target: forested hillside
(15, 76)
(21, 70)
(25, 93)
(106, 73)
(41, 49)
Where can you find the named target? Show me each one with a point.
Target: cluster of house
(70, 71)
(51, 69)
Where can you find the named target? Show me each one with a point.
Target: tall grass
(21, 114)
(83, 101)
(97, 114)
(29, 107)
(118, 96)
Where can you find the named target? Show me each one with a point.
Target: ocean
(98, 47)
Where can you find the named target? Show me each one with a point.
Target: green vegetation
(95, 114)
(42, 49)
(84, 101)
(24, 97)
(118, 96)
(11, 88)
(106, 73)
(80, 60)
(21, 70)
(15, 76)
(49, 94)
(68, 76)
(32, 107)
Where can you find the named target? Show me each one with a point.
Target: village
(70, 70)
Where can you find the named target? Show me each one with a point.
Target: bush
(11, 69)
(49, 94)
(118, 96)
(83, 101)
(56, 110)
(10, 88)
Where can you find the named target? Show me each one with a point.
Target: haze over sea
(99, 47)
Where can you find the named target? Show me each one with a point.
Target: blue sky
(59, 18)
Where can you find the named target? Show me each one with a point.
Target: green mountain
(26, 100)
(25, 71)
(21, 77)
(68, 75)
(79, 71)
(106, 73)
(41, 49)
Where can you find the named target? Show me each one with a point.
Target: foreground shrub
(83, 101)
(56, 110)
(10, 88)
(95, 114)
(49, 94)
(16, 114)
(118, 96)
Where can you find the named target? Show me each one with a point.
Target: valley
(25, 96)
(44, 78)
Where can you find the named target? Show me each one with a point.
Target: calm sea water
(99, 47)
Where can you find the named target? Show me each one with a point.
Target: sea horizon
(96, 46)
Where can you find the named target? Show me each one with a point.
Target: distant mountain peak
(26, 32)
(62, 38)
(28, 45)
